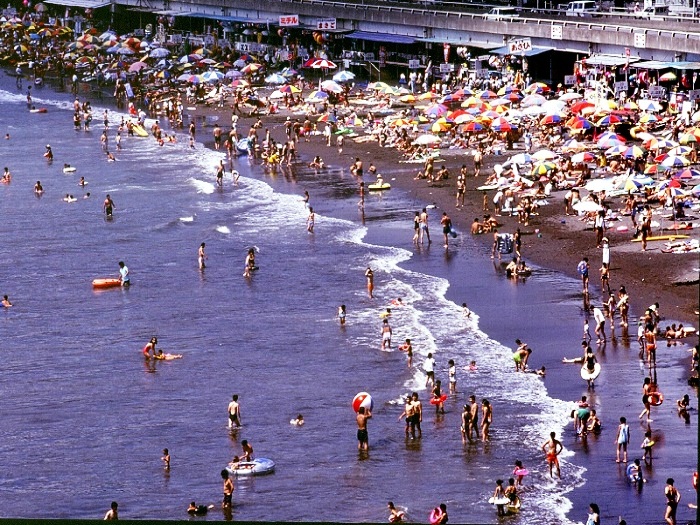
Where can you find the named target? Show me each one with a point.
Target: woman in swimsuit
(646, 390)
(150, 346)
(673, 498)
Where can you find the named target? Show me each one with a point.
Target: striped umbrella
(607, 120)
(680, 150)
(543, 168)
(633, 152)
(687, 138)
(583, 157)
(687, 173)
(501, 124)
(549, 120)
(579, 123)
(648, 118)
(474, 126)
(674, 161)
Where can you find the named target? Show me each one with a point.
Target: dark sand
(547, 312)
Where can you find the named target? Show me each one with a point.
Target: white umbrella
(533, 111)
(566, 97)
(587, 206)
(532, 100)
(332, 86)
(276, 94)
(275, 78)
(544, 154)
(212, 76)
(159, 52)
(649, 105)
(343, 76)
(427, 139)
(598, 185)
(521, 158)
(317, 96)
(554, 106)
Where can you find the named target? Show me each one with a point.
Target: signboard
(640, 40)
(369, 56)
(447, 68)
(621, 86)
(570, 80)
(346, 63)
(694, 94)
(326, 23)
(289, 20)
(414, 64)
(657, 91)
(519, 45)
(250, 47)
(557, 32)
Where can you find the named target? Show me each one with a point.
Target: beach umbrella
(649, 105)
(439, 127)
(587, 207)
(537, 87)
(164, 64)
(651, 169)
(251, 68)
(674, 161)
(125, 51)
(507, 90)
(647, 118)
(668, 77)
(696, 190)
(132, 41)
(583, 157)
(343, 76)
(276, 94)
(486, 94)
(544, 154)
(569, 96)
(464, 118)
(608, 120)
(239, 63)
(500, 102)
(187, 77)
(399, 122)
(629, 184)
(687, 138)
(534, 111)
(580, 105)
(89, 39)
(633, 152)
(631, 105)
(655, 143)
(579, 123)
(327, 118)
(554, 106)
(159, 52)
(521, 158)
(232, 73)
(543, 168)
(212, 76)
(288, 88)
(427, 139)
(687, 173)
(615, 150)
(549, 120)
(609, 142)
(501, 124)
(474, 126)
(573, 145)
(387, 91)
(435, 110)
(680, 150)
(163, 74)
(332, 86)
(137, 66)
(428, 95)
(515, 96)
(107, 35)
(533, 100)
(598, 185)
(378, 85)
(317, 96)
(322, 63)
(408, 99)
(240, 83)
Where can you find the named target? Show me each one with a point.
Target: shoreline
(546, 256)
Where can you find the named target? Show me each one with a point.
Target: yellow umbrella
(427, 96)
(408, 99)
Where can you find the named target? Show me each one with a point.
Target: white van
(501, 13)
(582, 8)
(653, 12)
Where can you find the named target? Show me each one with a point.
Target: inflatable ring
(435, 515)
(656, 399)
(438, 400)
(521, 472)
(634, 131)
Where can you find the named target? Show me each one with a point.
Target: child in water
(297, 421)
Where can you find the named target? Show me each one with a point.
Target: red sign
(289, 20)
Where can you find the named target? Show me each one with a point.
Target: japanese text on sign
(327, 23)
(289, 20)
(519, 45)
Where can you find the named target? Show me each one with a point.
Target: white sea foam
(187, 219)
(223, 229)
(202, 186)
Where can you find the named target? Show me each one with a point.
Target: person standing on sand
(446, 223)
(552, 448)
(424, 230)
(582, 269)
(369, 274)
(622, 439)
(362, 436)
(599, 317)
(234, 412)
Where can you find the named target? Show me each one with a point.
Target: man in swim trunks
(474, 422)
(234, 412)
(201, 256)
(228, 489)
(417, 417)
(362, 436)
(108, 206)
(386, 334)
(553, 447)
(408, 414)
(124, 274)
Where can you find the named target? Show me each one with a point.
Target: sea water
(84, 419)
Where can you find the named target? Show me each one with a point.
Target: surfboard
(590, 376)
(379, 187)
(662, 238)
(138, 130)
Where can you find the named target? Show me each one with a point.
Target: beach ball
(363, 399)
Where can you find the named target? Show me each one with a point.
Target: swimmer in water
(297, 421)
(5, 301)
(38, 188)
(395, 515)
(369, 274)
(7, 176)
(249, 263)
(108, 206)
(166, 458)
(466, 311)
(150, 347)
(341, 314)
(49, 153)
(201, 256)
(167, 357)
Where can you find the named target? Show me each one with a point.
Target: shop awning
(657, 64)
(458, 42)
(536, 50)
(227, 18)
(381, 37)
(91, 4)
(610, 60)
